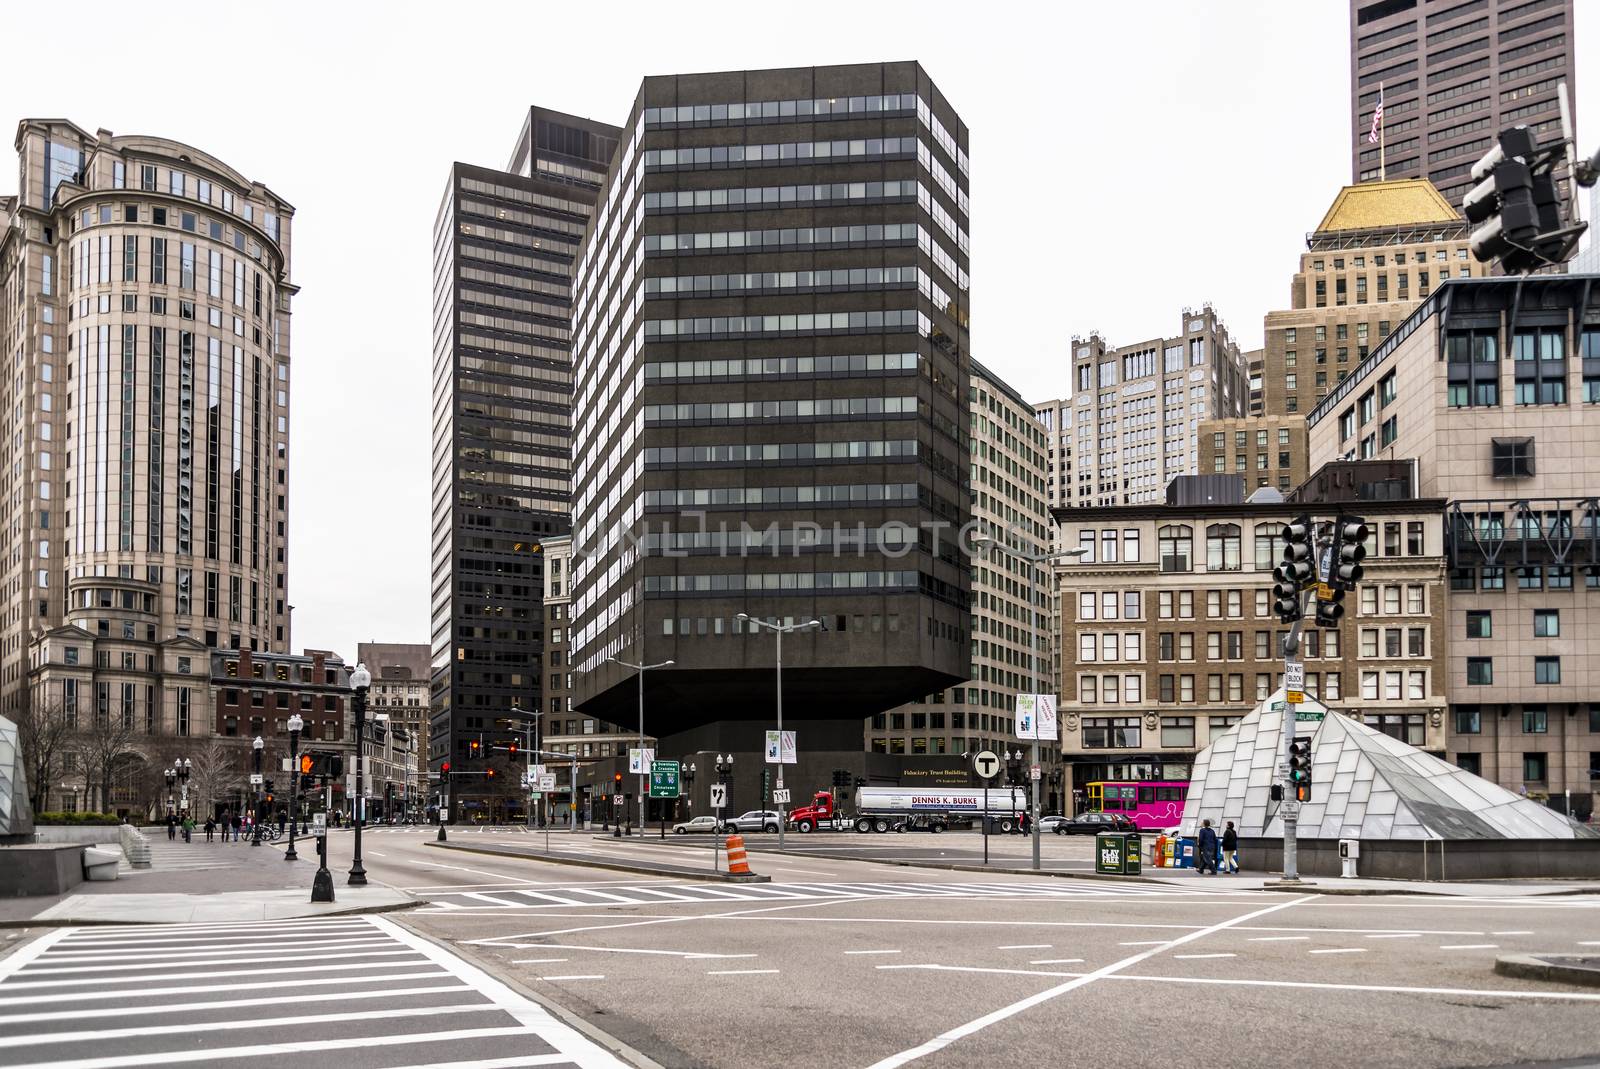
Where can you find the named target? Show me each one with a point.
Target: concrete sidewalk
(1338, 885)
(241, 906)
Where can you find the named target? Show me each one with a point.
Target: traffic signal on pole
(472, 749)
(1300, 768)
(269, 798)
(1515, 209)
(333, 765)
(1349, 550)
(1294, 572)
(490, 773)
(268, 786)
(1330, 610)
(513, 747)
(308, 783)
(306, 764)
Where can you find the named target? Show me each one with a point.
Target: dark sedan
(1092, 822)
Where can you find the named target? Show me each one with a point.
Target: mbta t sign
(986, 763)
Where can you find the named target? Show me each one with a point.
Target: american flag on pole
(1377, 118)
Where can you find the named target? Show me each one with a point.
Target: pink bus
(1151, 804)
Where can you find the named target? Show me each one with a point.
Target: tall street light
(255, 765)
(296, 724)
(641, 669)
(780, 630)
(183, 767)
(360, 680)
(172, 780)
(984, 543)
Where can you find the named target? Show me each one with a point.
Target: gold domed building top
(1399, 203)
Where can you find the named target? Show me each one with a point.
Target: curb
(950, 866)
(622, 1049)
(71, 922)
(1529, 967)
(617, 866)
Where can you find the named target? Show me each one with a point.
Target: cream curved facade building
(145, 332)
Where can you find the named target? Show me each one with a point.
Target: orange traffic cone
(737, 864)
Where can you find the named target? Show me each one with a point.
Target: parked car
(1093, 821)
(1050, 823)
(754, 820)
(698, 824)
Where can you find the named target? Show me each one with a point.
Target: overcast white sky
(1127, 160)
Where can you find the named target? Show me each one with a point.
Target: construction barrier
(737, 862)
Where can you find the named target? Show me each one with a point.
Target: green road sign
(664, 779)
(1308, 715)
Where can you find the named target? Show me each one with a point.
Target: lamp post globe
(360, 681)
(296, 724)
(257, 745)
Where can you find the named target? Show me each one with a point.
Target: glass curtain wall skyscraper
(772, 366)
(504, 246)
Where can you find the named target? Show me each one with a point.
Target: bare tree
(43, 732)
(108, 748)
(213, 773)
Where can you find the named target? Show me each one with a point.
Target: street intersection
(835, 962)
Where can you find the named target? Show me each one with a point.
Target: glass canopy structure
(1365, 785)
(16, 816)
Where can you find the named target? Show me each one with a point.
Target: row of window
(1480, 671)
(781, 366)
(1392, 599)
(821, 408)
(780, 581)
(777, 453)
(1529, 577)
(731, 496)
(1535, 720)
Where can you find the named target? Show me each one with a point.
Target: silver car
(697, 825)
(754, 820)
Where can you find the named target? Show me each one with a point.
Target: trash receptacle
(1130, 854)
(1110, 853)
(1185, 858)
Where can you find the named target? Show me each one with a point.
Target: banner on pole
(1036, 717)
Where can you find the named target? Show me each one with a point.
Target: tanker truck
(881, 808)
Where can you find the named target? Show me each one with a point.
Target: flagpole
(1382, 163)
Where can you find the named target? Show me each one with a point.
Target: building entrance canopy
(1364, 785)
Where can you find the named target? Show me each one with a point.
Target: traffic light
(490, 773)
(333, 765)
(269, 797)
(1330, 610)
(1515, 209)
(268, 786)
(1294, 571)
(513, 747)
(1349, 550)
(860, 782)
(307, 763)
(472, 750)
(1300, 768)
(617, 779)
(308, 783)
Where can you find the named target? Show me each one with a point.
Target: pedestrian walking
(211, 827)
(1206, 849)
(172, 826)
(188, 829)
(1230, 848)
(237, 823)
(282, 820)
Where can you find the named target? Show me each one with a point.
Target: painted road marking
(872, 951)
(1528, 931)
(1468, 946)
(740, 972)
(944, 1039)
(1057, 961)
(1395, 935)
(1280, 939)
(1025, 946)
(1341, 950)
(1144, 943)
(1194, 956)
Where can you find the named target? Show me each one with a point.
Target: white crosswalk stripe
(654, 894)
(105, 997)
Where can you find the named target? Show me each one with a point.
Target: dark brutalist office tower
(771, 359)
(1454, 73)
(504, 246)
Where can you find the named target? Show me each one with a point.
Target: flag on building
(1377, 118)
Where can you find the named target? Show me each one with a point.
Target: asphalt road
(847, 963)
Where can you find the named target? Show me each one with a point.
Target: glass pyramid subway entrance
(1364, 785)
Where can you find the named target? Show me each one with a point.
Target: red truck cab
(805, 818)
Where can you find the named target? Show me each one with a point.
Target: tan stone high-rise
(146, 326)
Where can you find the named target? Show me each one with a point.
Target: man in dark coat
(1206, 849)
(1230, 847)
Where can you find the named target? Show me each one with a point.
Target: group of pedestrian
(1209, 850)
(175, 827)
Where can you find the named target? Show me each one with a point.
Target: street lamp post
(1033, 561)
(296, 724)
(641, 669)
(183, 767)
(780, 630)
(255, 758)
(172, 779)
(360, 680)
